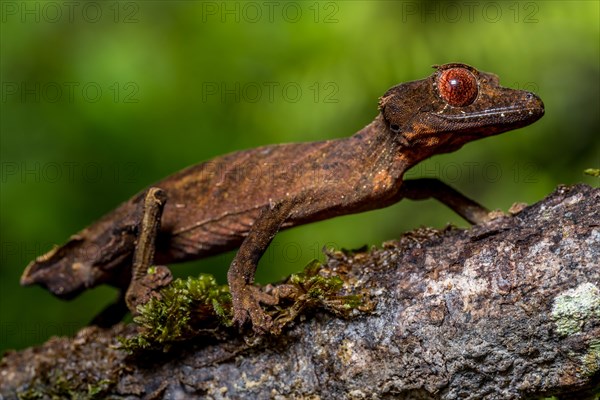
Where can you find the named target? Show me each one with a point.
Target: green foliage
(193, 307)
(173, 317)
(53, 385)
(324, 291)
(310, 290)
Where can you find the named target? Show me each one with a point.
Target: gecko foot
(246, 306)
(147, 287)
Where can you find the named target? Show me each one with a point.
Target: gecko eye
(457, 87)
(395, 128)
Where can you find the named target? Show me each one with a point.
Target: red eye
(457, 86)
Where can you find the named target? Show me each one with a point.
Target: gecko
(242, 199)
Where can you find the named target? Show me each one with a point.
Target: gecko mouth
(451, 130)
(508, 112)
(494, 121)
(524, 111)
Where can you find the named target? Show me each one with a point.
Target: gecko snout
(535, 104)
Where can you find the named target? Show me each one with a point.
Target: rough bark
(509, 309)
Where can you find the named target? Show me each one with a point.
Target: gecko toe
(248, 309)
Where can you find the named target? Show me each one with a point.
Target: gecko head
(88, 259)
(454, 106)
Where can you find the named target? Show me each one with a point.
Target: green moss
(183, 307)
(575, 307)
(312, 290)
(192, 307)
(56, 386)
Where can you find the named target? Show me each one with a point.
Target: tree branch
(508, 309)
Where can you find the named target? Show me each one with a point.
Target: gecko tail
(59, 270)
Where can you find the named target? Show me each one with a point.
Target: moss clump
(56, 386)
(187, 309)
(310, 290)
(183, 308)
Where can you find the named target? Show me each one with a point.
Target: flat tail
(58, 271)
(30, 275)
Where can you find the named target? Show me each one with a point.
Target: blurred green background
(100, 99)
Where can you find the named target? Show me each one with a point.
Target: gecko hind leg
(424, 188)
(141, 284)
(144, 285)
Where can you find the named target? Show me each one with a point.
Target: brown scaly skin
(244, 198)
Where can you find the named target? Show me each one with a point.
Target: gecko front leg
(246, 297)
(424, 188)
